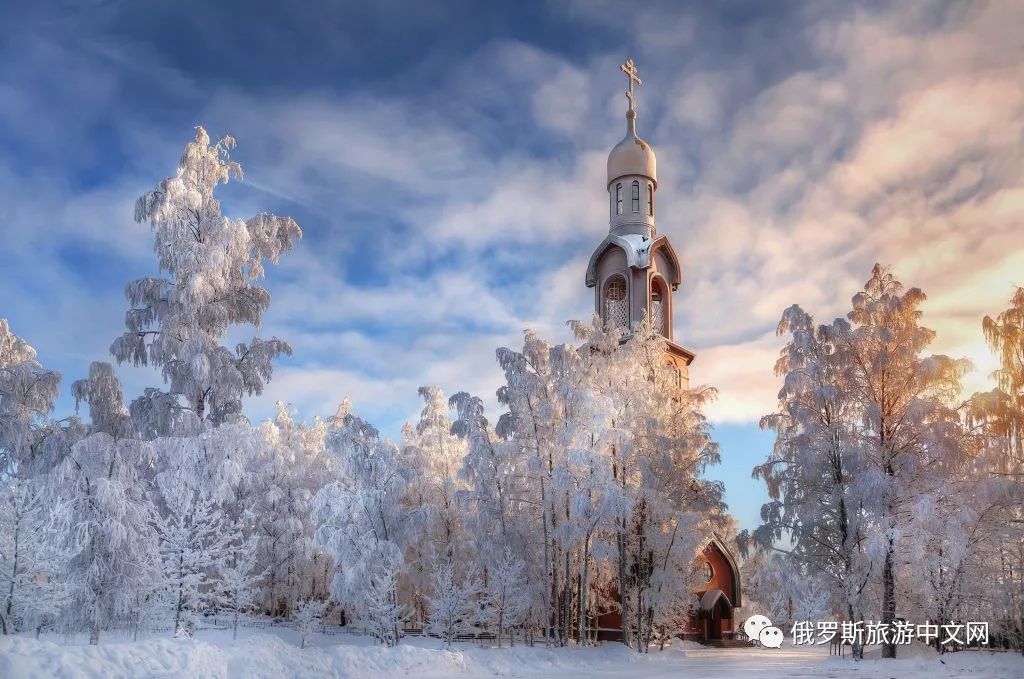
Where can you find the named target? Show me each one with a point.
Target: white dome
(632, 155)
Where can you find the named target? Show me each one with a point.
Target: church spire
(632, 171)
(634, 271)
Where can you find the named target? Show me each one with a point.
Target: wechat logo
(759, 629)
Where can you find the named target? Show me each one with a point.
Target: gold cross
(629, 68)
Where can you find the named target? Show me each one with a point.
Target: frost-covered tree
(817, 510)
(489, 470)
(1005, 336)
(363, 525)
(34, 552)
(607, 457)
(237, 590)
(868, 437)
(434, 455)
(177, 322)
(454, 604)
(290, 467)
(786, 589)
(202, 497)
(949, 539)
(1001, 412)
(27, 393)
(102, 480)
(194, 543)
(537, 416)
(309, 619)
(214, 462)
(658, 444)
(33, 523)
(507, 597)
(909, 434)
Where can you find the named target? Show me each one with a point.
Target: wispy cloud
(451, 199)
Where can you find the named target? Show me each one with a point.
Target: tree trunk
(642, 578)
(8, 627)
(856, 648)
(394, 624)
(584, 583)
(177, 611)
(888, 598)
(621, 542)
(501, 622)
(566, 600)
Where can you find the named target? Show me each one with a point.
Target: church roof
(638, 249)
(719, 545)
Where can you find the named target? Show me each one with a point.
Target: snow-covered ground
(276, 655)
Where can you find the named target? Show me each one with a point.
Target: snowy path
(277, 656)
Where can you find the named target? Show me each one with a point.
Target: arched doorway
(716, 613)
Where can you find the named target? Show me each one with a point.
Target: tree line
(586, 495)
(894, 496)
(891, 494)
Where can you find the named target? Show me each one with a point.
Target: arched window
(618, 199)
(636, 196)
(709, 571)
(616, 306)
(659, 307)
(677, 375)
(650, 200)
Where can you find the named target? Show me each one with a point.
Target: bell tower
(635, 271)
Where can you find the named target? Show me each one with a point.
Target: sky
(445, 161)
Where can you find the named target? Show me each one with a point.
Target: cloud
(452, 200)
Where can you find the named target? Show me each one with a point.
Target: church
(635, 272)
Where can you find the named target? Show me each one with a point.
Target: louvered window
(659, 307)
(658, 314)
(616, 309)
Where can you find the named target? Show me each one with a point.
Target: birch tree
(872, 446)
(454, 603)
(434, 455)
(909, 434)
(238, 589)
(27, 394)
(289, 469)
(34, 555)
(817, 510)
(659, 445)
(309, 618)
(1001, 411)
(194, 543)
(177, 321)
(101, 479)
(363, 525)
(507, 597)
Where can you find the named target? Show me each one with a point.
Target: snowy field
(276, 655)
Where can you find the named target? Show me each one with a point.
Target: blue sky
(446, 161)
